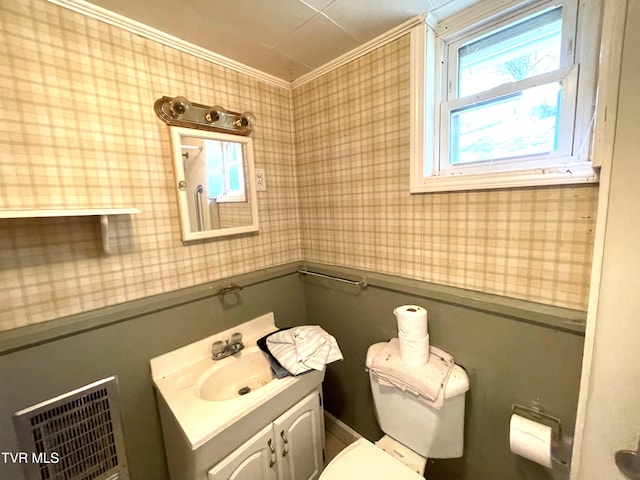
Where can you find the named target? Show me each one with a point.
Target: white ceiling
(284, 38)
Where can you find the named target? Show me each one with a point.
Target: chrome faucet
(220, 349)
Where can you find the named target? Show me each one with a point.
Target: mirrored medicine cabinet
(215, 183)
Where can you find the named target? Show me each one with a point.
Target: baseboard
(340, 429)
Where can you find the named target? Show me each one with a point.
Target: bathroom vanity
(289, 447)
(231, 418)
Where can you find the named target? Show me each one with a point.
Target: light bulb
(216, 114)
(246, 120)
(179, 106)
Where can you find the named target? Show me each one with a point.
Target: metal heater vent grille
(77, 436)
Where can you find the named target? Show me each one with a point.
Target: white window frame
(430, 106)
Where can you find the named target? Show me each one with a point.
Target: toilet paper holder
(536, 414)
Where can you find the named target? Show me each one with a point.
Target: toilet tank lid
(457, 384)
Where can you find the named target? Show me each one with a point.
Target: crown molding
(360, 51)
(112, 18)
(137, 28)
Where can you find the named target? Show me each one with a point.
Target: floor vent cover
(76, 436)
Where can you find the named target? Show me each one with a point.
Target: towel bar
(362, 282)
(231, 288)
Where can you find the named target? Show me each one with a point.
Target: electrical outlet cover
(261, 180)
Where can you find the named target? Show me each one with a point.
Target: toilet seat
(362, 460)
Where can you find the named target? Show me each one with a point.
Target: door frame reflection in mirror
(188, 233)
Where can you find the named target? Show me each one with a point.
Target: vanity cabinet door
(299, 441)
(253, 460)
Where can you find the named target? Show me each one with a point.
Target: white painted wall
(609, 410)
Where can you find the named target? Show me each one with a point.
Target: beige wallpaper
(78, 130)
(352, 145)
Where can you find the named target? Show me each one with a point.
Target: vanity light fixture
(179, 106)
(246, 120)
(216, 114)
(178, 111)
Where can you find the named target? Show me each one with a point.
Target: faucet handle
(236, 337)
(217, 348)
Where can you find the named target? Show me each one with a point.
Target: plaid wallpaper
(78, 131)
(352, 146)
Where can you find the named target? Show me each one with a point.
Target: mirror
(216, 183)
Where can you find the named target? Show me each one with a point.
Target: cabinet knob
(285, 449)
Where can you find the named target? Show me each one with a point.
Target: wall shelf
(103, 213)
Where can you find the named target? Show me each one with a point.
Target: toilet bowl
(362, 460)
(415, 431)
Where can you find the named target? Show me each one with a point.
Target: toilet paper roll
(414, 352)
(412, 321)
(530, 440)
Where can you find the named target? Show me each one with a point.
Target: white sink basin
(235, 376)
(202, 396)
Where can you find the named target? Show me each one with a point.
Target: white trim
(587, 50)
(561, 175)
(469, 17)
(64, 212)
(419, 105)
(175, 133)
(613, 29)
(340, 429)
(613, 25)
(360, 51)
(112, 18)
(422, 110)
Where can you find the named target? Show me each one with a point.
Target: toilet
(414, 431)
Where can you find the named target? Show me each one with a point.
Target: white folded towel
(427, 381)
(304, 348)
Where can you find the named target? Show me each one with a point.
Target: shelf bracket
(104, 227)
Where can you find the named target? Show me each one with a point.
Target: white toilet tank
(426, 430)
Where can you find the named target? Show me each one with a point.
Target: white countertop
(176, 373)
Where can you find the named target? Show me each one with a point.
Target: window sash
(486, 58)
(227, 159)
(455, 42)
(232, 159)
(430, 85)
(567, 76)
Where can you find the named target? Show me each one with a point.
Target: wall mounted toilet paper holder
(536, 414)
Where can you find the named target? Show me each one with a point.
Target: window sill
(565, 175)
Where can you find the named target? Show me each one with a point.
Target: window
(225, 173)
(509, 101)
